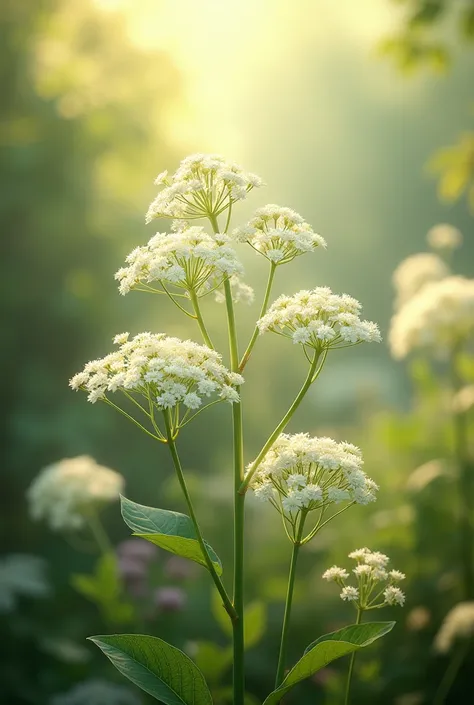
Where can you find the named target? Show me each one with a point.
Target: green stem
(239, 511)
(465, 490)
(451, 672)
(289, 599)
(200, 320)
(263, 310)
(351, 664)
(238, 676)
(210, 565)
(282, 425)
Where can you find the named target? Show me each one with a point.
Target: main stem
(263, 310)
(465, 490)
(282, 425)
(289, 599)
(210, 565)
(239, 508)
(351, 664)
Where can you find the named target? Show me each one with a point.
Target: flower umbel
(301, 474)
(319, 319)
(188, 259)
(279, 234)
(64, 493)
(164, 373)
(376, 585)
(203, 185)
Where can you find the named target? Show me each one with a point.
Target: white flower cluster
(319, 319)
(280, 234)
(203, 185)
(458, 624)
(64, 492)
(371, 569)
(414, 273)
(303, 473)
(166, 371)
(439, 317)
(189, 258)
(444, 237)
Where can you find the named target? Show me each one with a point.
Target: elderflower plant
(377, 585)
(162, 383)
(301, 475)
(63, 494)
(279, 234)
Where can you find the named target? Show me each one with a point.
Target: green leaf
(158, 668)
(254, 624)
(171, 531)
(328, 648)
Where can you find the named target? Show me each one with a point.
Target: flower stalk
(179, 472)
(288, 603)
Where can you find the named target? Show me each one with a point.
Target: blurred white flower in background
(458, 624)
(414, 272)
(437, 319)
(444, 237)
(63, 493)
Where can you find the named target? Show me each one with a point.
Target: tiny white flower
(349, 594)
(396, 576)
(394, 596)
(359, 554)
(292, 502)
(335, 573)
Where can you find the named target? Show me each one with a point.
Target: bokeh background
(342, 109)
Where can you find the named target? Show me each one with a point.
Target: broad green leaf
(158, 668)
(328, 648)
(255, 623)
(171, 531)
(212, 660)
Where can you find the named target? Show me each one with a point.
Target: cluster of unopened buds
(376, 584)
